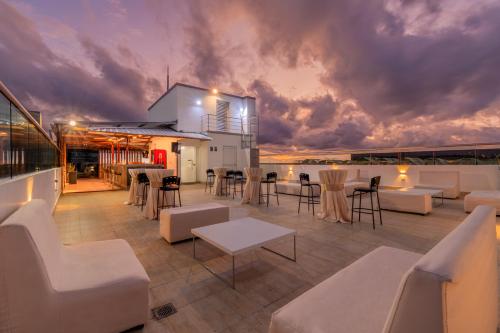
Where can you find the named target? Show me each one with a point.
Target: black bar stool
(142, 178)
(238, 180)
(311, 198)
(169, 184)
(271, 178)
(210, 180)
(228, 180)
(374, 184)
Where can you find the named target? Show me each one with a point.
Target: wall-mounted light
(243, 112)
(198, 102)
(215, 91)
(403, 170)
(72, 123)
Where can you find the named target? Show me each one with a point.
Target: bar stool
(143, 180)
(374, 184)
(238, 179)
(169, 184)
(271, 178)
(210, 180)
(311, 198)
(228, 178)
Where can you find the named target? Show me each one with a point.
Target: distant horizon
(327, 75)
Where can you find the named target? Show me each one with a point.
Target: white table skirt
(135, 189)
(252, 186)
(155, 177)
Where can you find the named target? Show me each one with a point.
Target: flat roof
(178, 84)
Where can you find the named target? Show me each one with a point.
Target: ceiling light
(72, 123)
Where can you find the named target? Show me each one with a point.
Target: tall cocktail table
(242, 235)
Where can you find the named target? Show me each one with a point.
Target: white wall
(165, 109)
(472, 177)
(181, 104)
(164, 143)
(214, 158)
(19, 190)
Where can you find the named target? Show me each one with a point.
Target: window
(19, 144)
(418, 158)
(458, 157)
(4, 137)
(23, 147)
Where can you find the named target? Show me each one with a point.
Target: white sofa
(476, 198)
(408, 200)
(176, 223)
(453, 288)
(448, 181)
(48, 287)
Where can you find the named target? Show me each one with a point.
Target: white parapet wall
(472, 177)
(18, 190)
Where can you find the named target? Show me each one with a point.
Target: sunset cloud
(386, 73)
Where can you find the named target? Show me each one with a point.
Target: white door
(188, 164)
(229, 157)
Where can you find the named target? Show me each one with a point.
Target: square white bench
(408, 200)
(476, 198)
(176, 223)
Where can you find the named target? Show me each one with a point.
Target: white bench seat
(176, 223)
(409, 200)
(476, 198)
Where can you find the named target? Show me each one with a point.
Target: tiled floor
(87, 185)
(264, 281)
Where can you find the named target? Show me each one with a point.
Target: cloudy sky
(327, 74)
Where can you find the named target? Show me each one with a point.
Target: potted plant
(71, 173)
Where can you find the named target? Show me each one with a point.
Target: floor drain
(163, 311)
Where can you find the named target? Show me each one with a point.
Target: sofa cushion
(356, 299)
(453, 288)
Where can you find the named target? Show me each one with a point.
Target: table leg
(282, 255)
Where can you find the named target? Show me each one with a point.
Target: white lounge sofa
(453, 288)
(448, 181)
(48, 287)
(476, 198)
(176, 223)
(408, 200)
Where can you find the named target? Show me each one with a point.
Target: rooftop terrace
(264, 282)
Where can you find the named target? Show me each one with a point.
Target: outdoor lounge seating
(476, 198)
(176, 223)
(452, 288)
(448, 181)
(48, 287)
(408, 200)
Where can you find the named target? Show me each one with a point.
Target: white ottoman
(408, 200)
(476, 198)
(176, 223)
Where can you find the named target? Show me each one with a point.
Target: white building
(229, 120)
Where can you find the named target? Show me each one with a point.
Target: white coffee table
(242, 235)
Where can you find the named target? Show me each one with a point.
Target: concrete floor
(264, 281)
